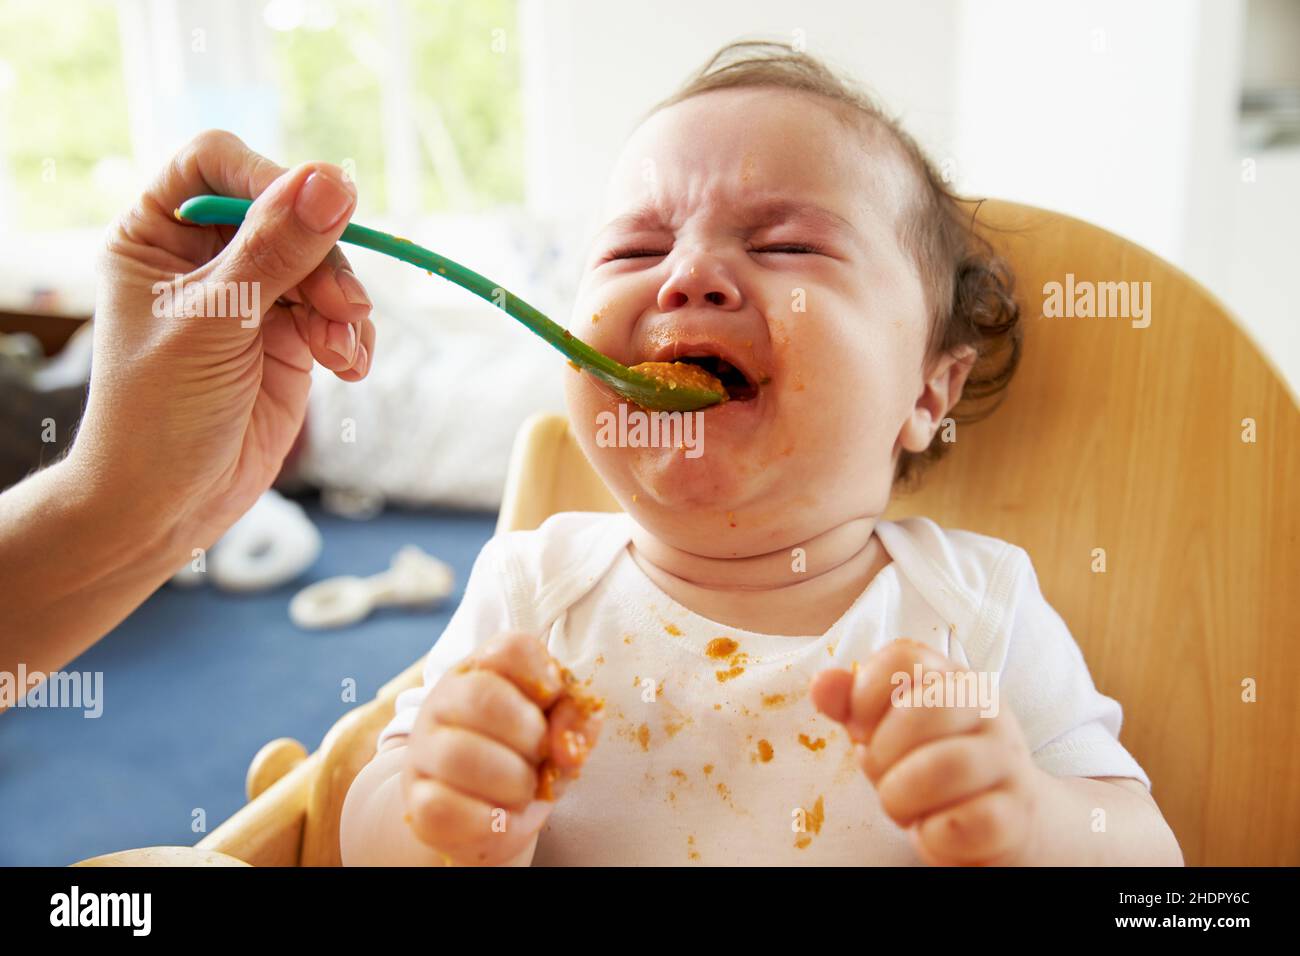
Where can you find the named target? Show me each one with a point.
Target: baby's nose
(698, 281)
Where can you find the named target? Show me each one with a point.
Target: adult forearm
(75, 559)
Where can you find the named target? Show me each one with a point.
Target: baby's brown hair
(969, 289)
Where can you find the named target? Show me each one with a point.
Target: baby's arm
(1136, 833)
(374, 831)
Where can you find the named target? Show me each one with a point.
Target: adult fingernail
(351, 287)
(322, 201)
(362, 365)
(341, 339)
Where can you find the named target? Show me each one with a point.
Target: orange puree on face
(681, 375)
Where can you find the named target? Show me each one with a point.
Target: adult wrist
(117, 524)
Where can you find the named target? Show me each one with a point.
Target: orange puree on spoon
(681, 375)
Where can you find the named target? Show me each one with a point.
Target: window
(65, 149)
(419, 100)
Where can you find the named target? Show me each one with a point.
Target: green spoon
(647, 391)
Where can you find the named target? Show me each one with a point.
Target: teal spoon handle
(646, 391)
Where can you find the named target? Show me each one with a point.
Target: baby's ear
(941, 391)
(961, 361)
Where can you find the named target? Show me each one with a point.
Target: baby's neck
(775, 593)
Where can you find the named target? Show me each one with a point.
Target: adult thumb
(290, 228)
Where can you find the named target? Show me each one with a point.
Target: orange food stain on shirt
(676, 720)
(764, 751)
(725, 648)
(643, 736)
(773, 700)
(817, 815)
(721, 647)
(708, 769)
(672, 629)
(802, 842)
(811, 744)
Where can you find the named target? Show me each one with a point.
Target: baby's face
(754, 225)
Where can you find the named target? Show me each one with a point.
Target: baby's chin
(714, 482)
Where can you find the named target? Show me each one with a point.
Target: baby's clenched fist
(960, 779)
(495, 742)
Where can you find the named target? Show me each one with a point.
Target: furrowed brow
(646, 217)
(775, 211)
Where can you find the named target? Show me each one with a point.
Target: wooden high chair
(1115, 441)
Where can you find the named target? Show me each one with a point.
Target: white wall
(1126, 114)
(593, 69)
(1082, 107)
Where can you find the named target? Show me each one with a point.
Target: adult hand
(196, 413)
(190, 416)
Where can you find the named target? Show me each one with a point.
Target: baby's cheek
(846, 419)
(584, 401)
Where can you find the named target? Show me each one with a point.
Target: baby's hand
(962, 784)
(494, 743)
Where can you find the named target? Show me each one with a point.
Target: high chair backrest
(1151, 472)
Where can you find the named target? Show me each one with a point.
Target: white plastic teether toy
(415, 579)
(270, 545)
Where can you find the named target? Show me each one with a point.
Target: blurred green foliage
(62, 112)
(64, 135)
(465, 101)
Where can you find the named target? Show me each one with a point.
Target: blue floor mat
(195, 681)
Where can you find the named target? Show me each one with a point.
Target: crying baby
(749, 665)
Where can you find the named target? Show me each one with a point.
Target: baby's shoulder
(965, 561)
(569, 549)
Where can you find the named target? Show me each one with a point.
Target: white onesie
(723, 760)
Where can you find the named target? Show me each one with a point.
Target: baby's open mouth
(737, 386)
